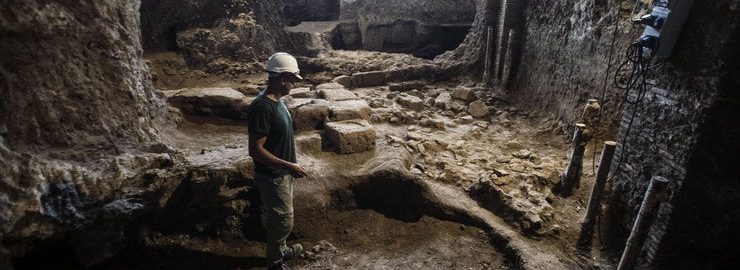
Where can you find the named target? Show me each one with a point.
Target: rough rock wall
(72, 76)
(686, 129)
(233, 35)
(400, 36)
(566, 56)
(676, 129)
(75, 101)
(682, 129)
(424, 28)
(469, 56)
(558, 57)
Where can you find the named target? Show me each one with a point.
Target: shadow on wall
(297, 11)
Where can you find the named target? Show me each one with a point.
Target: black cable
(641, 66)
(615, 34)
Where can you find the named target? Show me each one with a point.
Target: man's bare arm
(258, 152)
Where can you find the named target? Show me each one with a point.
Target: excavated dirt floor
(420, 200)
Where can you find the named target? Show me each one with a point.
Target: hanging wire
(615, 35)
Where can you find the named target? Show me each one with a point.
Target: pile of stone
(521, 202)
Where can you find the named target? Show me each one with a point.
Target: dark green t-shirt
(271, 118)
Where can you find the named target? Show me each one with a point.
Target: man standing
(272, 148)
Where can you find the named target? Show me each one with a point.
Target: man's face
(287, 83)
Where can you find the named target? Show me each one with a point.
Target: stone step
(352, 136)
(348, 110)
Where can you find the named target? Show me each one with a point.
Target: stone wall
(400, 36)
(73, 76)
(683, 130)
(75, 102)
(217, 36)
(468, 58)
(566, 56)
(558, 56)
(424, 28)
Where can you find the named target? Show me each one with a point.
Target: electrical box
(680, 10)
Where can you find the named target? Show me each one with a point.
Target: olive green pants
(277, 213)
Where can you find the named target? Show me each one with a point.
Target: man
(272, 148)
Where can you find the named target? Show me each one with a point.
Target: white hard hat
(283, 62)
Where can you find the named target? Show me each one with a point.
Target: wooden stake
(502, 39)
(631, 249)
(506, 72)
(489, 52)
(572, 175)
(597, 194)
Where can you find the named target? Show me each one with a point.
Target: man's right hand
(297, 171)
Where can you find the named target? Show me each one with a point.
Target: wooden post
(506, 72)
(489, 53)
(597, 194)
(503, 38)
(572, 175)
(631, 249)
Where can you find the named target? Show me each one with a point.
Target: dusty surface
(356, 239)
(368, 240)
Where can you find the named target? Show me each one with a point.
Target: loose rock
(366, 79)
(337, 94)
(478, 109)
(410, 102)
(465, 94)
(302, 92)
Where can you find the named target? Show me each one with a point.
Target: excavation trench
(386, 222)
(381, 221)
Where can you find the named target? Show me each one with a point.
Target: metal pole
(597, 194)
(657, 185)
(570, 178)
(489, 45)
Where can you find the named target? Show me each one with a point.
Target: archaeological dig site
(369, 134)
